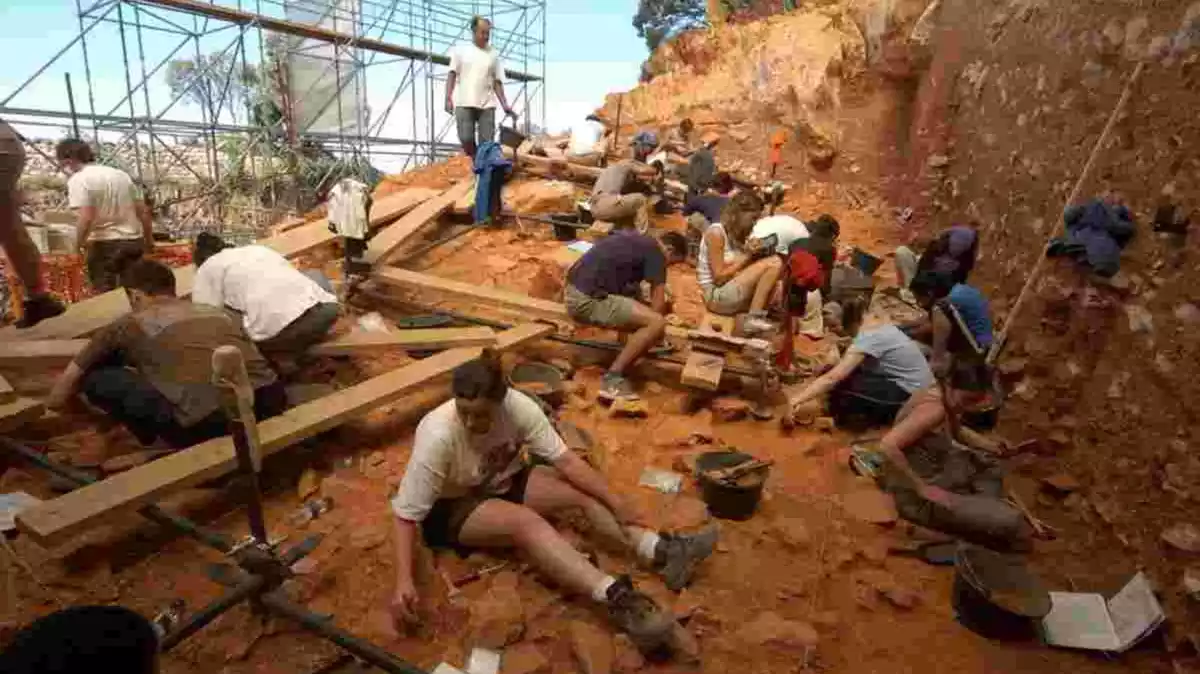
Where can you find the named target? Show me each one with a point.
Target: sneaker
(38, 308)
(614, 386)
(679, 555)
(757, 324)
(650, 628)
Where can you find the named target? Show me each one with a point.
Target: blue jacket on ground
(492, 169)
(1096, 233)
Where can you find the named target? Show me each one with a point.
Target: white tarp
(324, 80)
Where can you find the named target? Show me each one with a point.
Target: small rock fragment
(524, 658)
(730, 409)
(937, 161)
(628, 657)
(791, 532)
(1185, 537)
(770, 629)
(1060, 484)
(592, 648)
(497, 618)
(899, 597)
(1191, 581)
(870, 505)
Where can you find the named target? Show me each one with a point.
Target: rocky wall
(1111, 395)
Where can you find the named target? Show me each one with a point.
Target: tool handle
(734, 472)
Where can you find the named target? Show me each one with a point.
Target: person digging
(466, 487)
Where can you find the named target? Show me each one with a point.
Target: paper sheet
(1079, 621)
(1134, 612)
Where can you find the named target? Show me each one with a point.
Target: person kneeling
(877, 375)
(466, 487)
(152, 369)
(601, 287)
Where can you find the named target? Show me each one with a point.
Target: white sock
(600, 592)
(647, 545)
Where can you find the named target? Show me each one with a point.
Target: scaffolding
(222, 150)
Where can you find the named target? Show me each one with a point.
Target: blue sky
(591, 48)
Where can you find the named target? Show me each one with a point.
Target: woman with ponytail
(467, 487)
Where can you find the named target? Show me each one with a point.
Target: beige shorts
(727, 300)
(614, 311)
(621, 209)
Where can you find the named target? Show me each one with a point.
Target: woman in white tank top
(732, 281)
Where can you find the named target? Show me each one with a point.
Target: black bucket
(510, 137)
(726, 501)
(864, 261)
(541, 380)
(996, 596)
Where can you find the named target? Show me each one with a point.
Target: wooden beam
(80, 320)
(434, 339)
(20, 412)
(7, 394)
(59, 519)
(392, 237)
(311, 235)
(703, 370)
(41, 352)
(506, 299)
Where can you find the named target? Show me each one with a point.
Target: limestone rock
(592, 648)
(730, 409)
(525, 658)
(540, 196)
(1060, 484)
(771, 630)
(937, 161)
(497, 618)
(1185, 537)
(791, 532)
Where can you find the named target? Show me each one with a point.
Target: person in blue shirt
(959, 323)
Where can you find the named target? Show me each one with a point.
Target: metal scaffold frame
(409, 38)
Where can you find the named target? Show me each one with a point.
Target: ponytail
(480, 378)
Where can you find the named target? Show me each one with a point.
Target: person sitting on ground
(115, 227)
(621, 195)
(466, 487)
(83, 639)
(733, 281)
(959, 321)
(152, 369)
(18, 246)
(282, 309)
(880, 371)
(701, 210)
(601, 288)
(586, 146)
(702, 166)
(953, 251)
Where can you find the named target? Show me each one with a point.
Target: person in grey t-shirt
(876, 376)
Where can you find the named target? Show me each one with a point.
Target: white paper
(1134, 612)
(10, 505)
(580, 246)
(483, 661)
(1079, 621)
(443, 668)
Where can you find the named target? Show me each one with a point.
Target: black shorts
(445, 520)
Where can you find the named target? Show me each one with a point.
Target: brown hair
(73, 148)
(739, 215)
(150, 277)
(480, 378)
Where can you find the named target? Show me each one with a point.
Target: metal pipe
(211, 612)
(71, 105)
(362, 650)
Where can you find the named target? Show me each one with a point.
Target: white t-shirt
(584, 138)
(476, 70)
(785, 227)
(348, 208)
(448, 462)
(261, 284)
(113, 194)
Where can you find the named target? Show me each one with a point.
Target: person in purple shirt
(601, 289)
(952, 252)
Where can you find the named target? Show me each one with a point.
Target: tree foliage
(215, 82)
(657, 20)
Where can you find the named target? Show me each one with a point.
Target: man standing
(22, 254)
(114, 225)
(152, 369)
(601, 288)
(283, 311)
(475, 74)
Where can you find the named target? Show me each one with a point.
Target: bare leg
(648, 328)
(500, 524)
(18, 246)
(548, 493)
(923, 413)
(773, 266)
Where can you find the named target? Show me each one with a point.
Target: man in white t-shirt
(284, 312)
(475, 74)
(585, 145)
(114, 224)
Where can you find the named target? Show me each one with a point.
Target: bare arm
(722, 271)
(405, 601)
(451, 81)
(826, 382)
(940, 361)
(65, 387)
(498, 87)
(85, 217)
(147, 219)
(658, 298)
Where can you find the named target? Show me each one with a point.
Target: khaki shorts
(728, 299)
(621, 209)
(614, 311)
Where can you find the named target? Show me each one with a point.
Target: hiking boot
(679, 554)
(38, 308)
(756, 323)
(650, 628)
(613, 386)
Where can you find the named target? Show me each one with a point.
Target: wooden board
(306, 237)
(703, 370)
(392, 237)
(7, 394)
(70, 514)
(80, 320)
(20, 412)
(41, 352)
(433, 339)
(522, 304)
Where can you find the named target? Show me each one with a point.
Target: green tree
(657, 20)
(215, 82)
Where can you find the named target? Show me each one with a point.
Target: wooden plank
(80, 319)
(20, 412)
(392, 237)
(41, 352)
(7, 394)
(523, 304)
(315, 234)
(433, 339)
(68, 515)
(703, 370)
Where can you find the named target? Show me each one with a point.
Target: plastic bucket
(726, 501)
(510, 137)
(541, 380)
(864, 261)
(996, 596)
